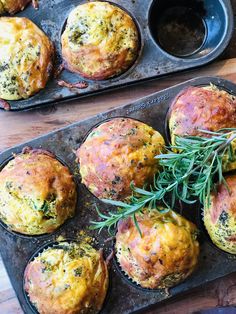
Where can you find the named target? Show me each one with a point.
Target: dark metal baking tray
(153, 61)
(123, 297)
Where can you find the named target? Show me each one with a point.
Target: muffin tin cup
(36, 254)
(155, 57)
(123, 74)
(43, 236)
(86, 136)
(206, 236)
(167, 118)
(16, 251)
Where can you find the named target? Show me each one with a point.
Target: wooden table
(21, 126)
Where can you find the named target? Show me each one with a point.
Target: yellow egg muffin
(116, 153)
(100, 40)
(203, 108)
(26, 58)
(12, 6)
(69, 278)
(220, 216)
(166, 254)
(37, 193)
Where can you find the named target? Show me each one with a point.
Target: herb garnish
(191, 169)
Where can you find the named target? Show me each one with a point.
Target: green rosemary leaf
(191, 169)
(115, 203)
(137, 225)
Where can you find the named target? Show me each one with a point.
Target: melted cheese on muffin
(26, 56)
(100, 40)
(203, 108)
(12, 6)
(220, 216)
(37, 193)
(116, 153)
(165, 254)
(69, 278)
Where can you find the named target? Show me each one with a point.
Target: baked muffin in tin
(12, 6)
(203, 108)
(116, 153)
(68, 278)
(165, 254)
(220, 215)
(26, 58)
(37, 193)
(100, 41)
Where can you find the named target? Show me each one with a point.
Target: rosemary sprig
(191, 169)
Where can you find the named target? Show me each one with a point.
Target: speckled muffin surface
(12, 6)
(116, 153)
(26, 58)
(220, 216)
(165, 255)
(70, 278)
(37, 193)
(100, 41)
(203, 108)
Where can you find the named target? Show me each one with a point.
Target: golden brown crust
(26, 58)
(220, 216)
(100, 40)
(68, 279)
(116, 153)
(13, 6)
(37, 193)
(165, 255)
(205, 108)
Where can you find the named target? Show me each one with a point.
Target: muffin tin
(167, 30)
(123, 296)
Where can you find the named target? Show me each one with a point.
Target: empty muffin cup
(188, 29)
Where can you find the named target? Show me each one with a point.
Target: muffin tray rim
(23, 249)
(165, 64)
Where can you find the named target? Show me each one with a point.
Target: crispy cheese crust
(12, 6)
(37, 193)
(100, 40)
(26, 58)
(203, 108)
(70, 278)
(116, 153)
(220, 216)
(165, 255)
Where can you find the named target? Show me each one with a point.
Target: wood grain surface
(17, 127)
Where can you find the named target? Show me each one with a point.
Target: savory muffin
(116, 153)
(37, 193)
(203, 108)
(100, 40)
(68, 278)
(165, 254)
(12, 6)
(26, 58)
(220, 216)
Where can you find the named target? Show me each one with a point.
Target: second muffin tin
(175, 35)
(123, 296)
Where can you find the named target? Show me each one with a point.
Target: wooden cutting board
(17, 127)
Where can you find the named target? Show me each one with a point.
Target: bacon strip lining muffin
(100, 41)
